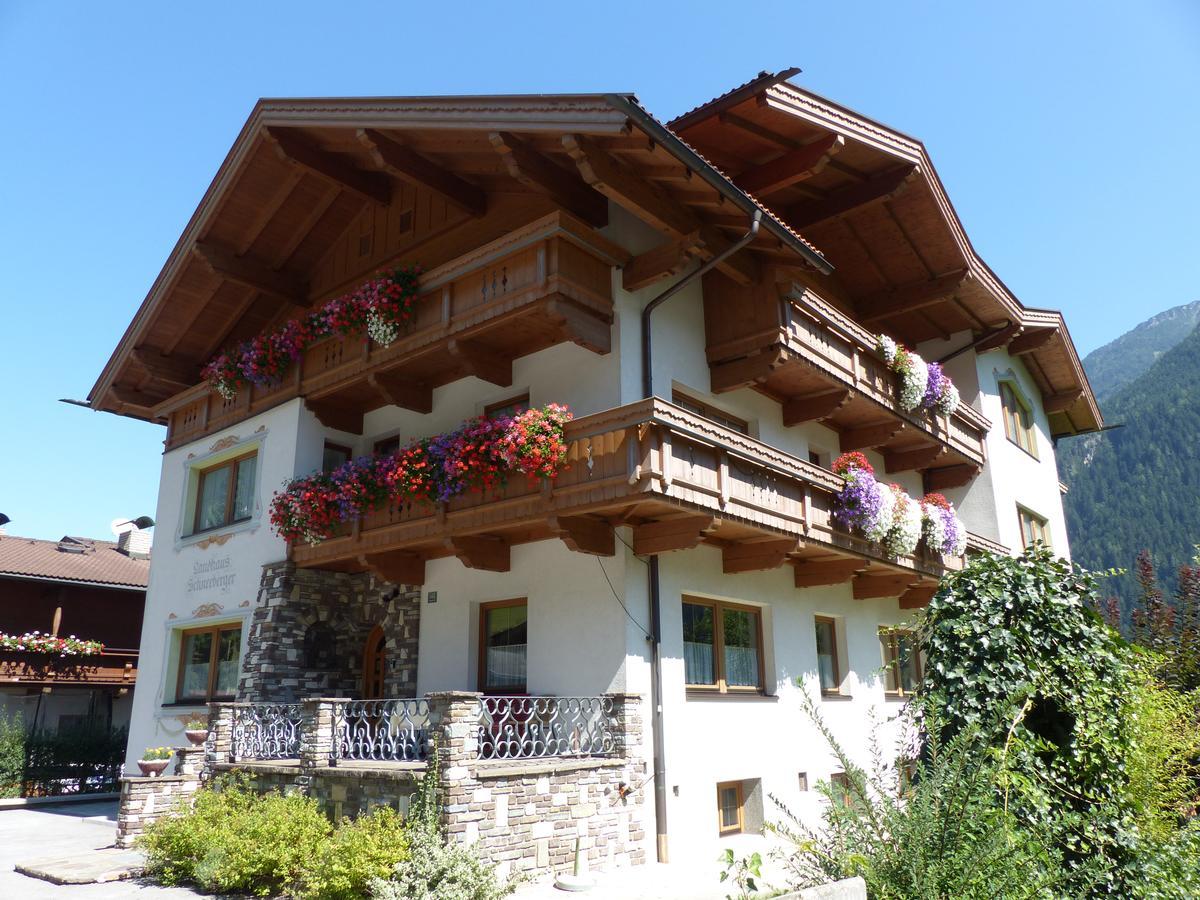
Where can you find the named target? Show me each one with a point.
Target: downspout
(660, 766)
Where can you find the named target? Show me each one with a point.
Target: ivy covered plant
(1017, 633)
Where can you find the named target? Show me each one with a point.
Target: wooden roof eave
(592, 114)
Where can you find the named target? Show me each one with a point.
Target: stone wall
(309, 630)
(143, 800)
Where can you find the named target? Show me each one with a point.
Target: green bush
(234, 840)
(86, 759)
(12, 756)
(942, 831)
(357, 852)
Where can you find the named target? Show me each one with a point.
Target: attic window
(71, 545)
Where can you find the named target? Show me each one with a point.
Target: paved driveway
(35, 832)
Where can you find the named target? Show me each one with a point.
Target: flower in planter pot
(196, 730)
(155, 760)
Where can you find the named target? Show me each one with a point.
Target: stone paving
(69, 834)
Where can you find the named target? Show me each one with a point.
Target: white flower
(904, 535)
(935, 527)
(879, 528)
(887, 349)
(380, 330)
(947, 403)
(914, 378)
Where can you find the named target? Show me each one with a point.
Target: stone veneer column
(318, 716)
(220, 732)
(454, 730)
(627, 717)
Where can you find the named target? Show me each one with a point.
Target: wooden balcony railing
(679, 479)
(112, 667)
(783, 339)
(545, 283)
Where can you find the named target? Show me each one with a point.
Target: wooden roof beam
(538, 172)
(397, 390)
(822, 572)
(998, 338)
(869, 436)
(740, 373)
(395, 567)
(908, 460)
(484, 552)
(654, 207)
(910, 297)
(482, 362)
(252, 273)
(683, 533)
(870, 587)
(134, 397)
(918, 595)
(757, 556)
(669, 258)
(791, 167)
(813, 406)
(949, 476)
(336, 415)
(1028, 341)
(840, 202)
(584, 535)
(414, 168)
(294, 149)
(1062, 401)
(170, 370)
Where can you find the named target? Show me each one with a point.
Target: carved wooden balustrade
(546, 283)
(781, 338)
(111, 667)
(677, 478)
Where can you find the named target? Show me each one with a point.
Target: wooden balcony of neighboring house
(781, 338)
(677, 478)
(542, 284)
(113, 667)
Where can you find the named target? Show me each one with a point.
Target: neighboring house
(91, 590)
(687, 555)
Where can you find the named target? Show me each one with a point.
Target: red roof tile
(94, 561)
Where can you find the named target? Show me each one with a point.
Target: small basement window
(731, 816)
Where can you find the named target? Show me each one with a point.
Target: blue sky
(1065, 132)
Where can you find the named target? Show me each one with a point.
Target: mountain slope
(1139, 486)
(1119, 362)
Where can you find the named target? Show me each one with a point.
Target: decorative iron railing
(381, 730)
(266, 731)
(537, 727)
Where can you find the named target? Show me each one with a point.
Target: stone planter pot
(152, 768)
(196, 736)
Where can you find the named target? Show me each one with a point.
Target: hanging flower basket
(36, 642)
(888, 516)
(382, 307)
(922, 385)
(481, 454)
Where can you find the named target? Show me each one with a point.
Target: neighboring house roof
(72, 559)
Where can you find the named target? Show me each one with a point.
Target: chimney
(134, 543)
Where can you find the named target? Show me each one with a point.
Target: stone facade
(310, 628)
(143, 800)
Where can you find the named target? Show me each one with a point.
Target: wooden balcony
(779, 337)
(677, 478)
(545, 283)
(112, 667)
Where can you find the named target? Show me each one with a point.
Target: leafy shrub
(85, 759)
(12, 756)
(941, 831)
(358, 851)
(236, 841)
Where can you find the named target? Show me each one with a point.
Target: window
(510, 407)
(1033, 527)
(225, 493)
(730, 819)
(803, 781)
(333, 456)
(208, 663)
(828, 665)
(901, 660)
(700, 408)
(503, 646)
(388, 445)
(841, 784)
(1018, 419)
(721, 647)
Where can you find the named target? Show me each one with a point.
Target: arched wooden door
(374, 664)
